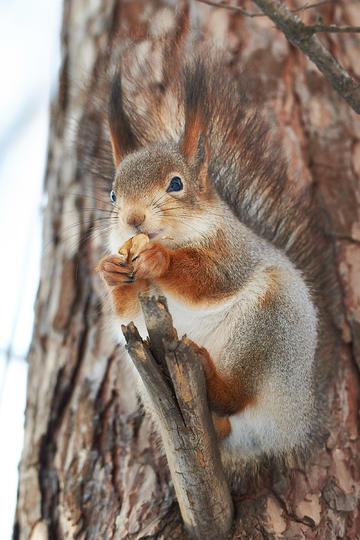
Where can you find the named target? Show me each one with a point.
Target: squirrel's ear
(195, 150)
(193, 144)
(123, 140)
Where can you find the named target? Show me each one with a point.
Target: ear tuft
(190, 140)
(193, 144)
(123, 140)
(202, 151)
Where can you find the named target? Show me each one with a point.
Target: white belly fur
(203, 325)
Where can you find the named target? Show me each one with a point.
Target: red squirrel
(234, 253)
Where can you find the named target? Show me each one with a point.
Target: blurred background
(30, 58)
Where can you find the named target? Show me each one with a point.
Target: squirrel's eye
(112, 195)
(175, 184)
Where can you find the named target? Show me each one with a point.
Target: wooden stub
(151, 375)
(188, 435)
(159, 325)
(198, 473)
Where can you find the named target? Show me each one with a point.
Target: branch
(332, 28)
(302, 36)
(249, 14)
(233, 8)
(172, 373)
(310, 6)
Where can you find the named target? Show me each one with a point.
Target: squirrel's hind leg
(222, 426)
(226, 396)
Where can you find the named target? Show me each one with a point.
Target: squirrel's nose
(135, 218)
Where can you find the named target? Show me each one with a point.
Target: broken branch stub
(159, 325)
(184, 421)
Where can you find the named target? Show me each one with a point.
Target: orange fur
(187, 277)
(116, 148)
(272, 290)
(124, 295)
(226, 395)
(114, 270)
(222, 426)
(183, 273)
(192, 131)
(125, 299)
(152, 262)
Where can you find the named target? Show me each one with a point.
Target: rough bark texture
(91, 467)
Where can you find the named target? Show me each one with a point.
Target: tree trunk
(91, 467)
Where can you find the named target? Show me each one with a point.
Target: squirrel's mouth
(152, 235)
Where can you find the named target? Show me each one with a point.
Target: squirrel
(237, 255)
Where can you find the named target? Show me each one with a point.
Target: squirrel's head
(162, 189)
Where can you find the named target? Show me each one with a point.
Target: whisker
(79, 224)
(181, 207)
(190, 226)
(208, 213)
(89, 196)
(90, 235)
(158, 200)
(91, 211)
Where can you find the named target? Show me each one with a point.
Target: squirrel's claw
(115, 271)
(152, 262)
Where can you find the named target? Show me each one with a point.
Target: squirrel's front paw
(115, 270)
(151, 262)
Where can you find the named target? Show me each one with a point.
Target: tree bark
(172, 373)
(91, 466)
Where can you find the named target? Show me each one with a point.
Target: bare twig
(251, 14)
(310, 6)
(301, 36)
(180, 403)
(332, 28)
(233, 8)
